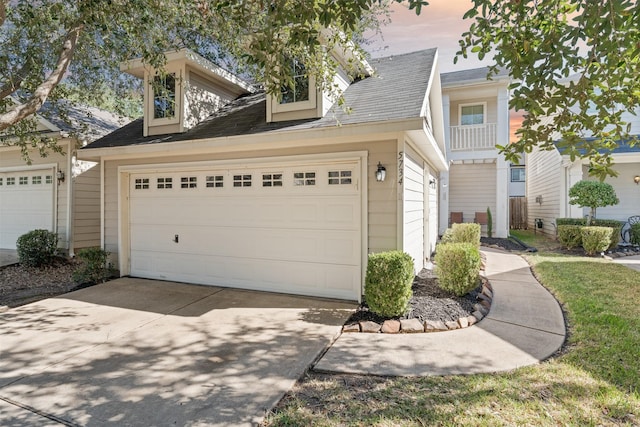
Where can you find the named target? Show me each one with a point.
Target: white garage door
(26, 203)
(413, 236)
(293, 229)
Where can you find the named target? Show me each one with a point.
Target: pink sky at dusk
(440, 25)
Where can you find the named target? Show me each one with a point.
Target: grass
(595, 381)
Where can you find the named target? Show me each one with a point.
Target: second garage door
(282, 228)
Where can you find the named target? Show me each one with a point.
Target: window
(142, 183)
(339, 177)
(24, 180)
(215, 181)
(0, 181)
(300, 90)
(48, 179)
(272, 180)
(472, 115)
(518, 174)
(242, 180)
(36, 180)
(11, 180)
(189, 182)
(304, 178)
(164, 96)
(165, 183)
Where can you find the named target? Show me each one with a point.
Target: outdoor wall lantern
(381, 173)
(432, 183)
(636, 179)
(60, 176)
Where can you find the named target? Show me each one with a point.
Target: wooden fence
(518, 213)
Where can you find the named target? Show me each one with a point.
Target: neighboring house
(55, 192)
(476, 118)
(242, 190)
(517, 181)
(550, 175)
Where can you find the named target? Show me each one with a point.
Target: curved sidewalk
(524, 326)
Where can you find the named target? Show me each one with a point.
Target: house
(221, 184)
(476, 119)
(56, 192)
(550, 175)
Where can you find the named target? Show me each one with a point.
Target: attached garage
(284, 227)
(414, 210)
(26, 203)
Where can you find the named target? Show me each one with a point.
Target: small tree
(592, 194)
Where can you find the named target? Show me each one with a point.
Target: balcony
(473, 137)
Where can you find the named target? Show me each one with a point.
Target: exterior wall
(546, 189)
(86, 209)
(10, 157)
(472, 188)
(202, 98)
(382, 196)
(627, 191)
(518, 188)
(491, 113)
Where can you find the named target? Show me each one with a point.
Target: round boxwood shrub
(570, 236)
(94, 266)
(37, 247)
(596, 239)
(467, 232)
(388, 281)
(458, 267)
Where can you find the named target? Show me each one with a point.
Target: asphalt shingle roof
(396, 91)
(468, 76)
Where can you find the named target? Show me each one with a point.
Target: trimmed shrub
(634, 233)
(489, 223)
(94, 267)
(388, 281)
(571, 221)
(570, 236)
(463, 233)
(37, 247)
(616, 225)
(458, 267)
(596, 239)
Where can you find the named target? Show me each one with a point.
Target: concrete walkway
(633, 262)
(524, 326)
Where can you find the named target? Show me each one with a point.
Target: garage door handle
(176, 238)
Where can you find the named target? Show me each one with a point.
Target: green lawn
(596, 381)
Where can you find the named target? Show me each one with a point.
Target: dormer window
(164, 96)
(300, 90)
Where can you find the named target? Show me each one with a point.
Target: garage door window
(304, 178)
(0, 181)
(339, 177)
(272, 180)
(24, 180)
(215, 181)
(11, 181)
(189, 182)
(142, 184)
(49, 179)
(36, 180)
(165, 183)
(242, 180)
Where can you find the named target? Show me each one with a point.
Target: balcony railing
(473, 137)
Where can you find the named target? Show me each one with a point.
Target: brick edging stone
(411, 326)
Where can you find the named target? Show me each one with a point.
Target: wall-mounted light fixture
(60, 176)
(381, 173)
(539, 199)
(636, 179)
(432, 183)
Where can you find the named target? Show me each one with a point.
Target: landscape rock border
(411, 326)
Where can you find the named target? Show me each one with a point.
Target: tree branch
(3, 11)
(24, 110)
(13, 85)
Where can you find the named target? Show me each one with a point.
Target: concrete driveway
(142, 352)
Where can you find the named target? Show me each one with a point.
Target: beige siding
(545, 179)
(491, 113)
(382, 196)
(11, 158)
(86, 209)
(627, 191)
(472, 188)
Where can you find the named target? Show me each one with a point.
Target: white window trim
(177, 72)
(517, 168)
(311, 103)
(473, 104)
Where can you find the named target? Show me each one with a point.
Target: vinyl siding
(545, 178)
(382, 196)
(86, 209)
(472, 188)
(627, 191)
(491, 113)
